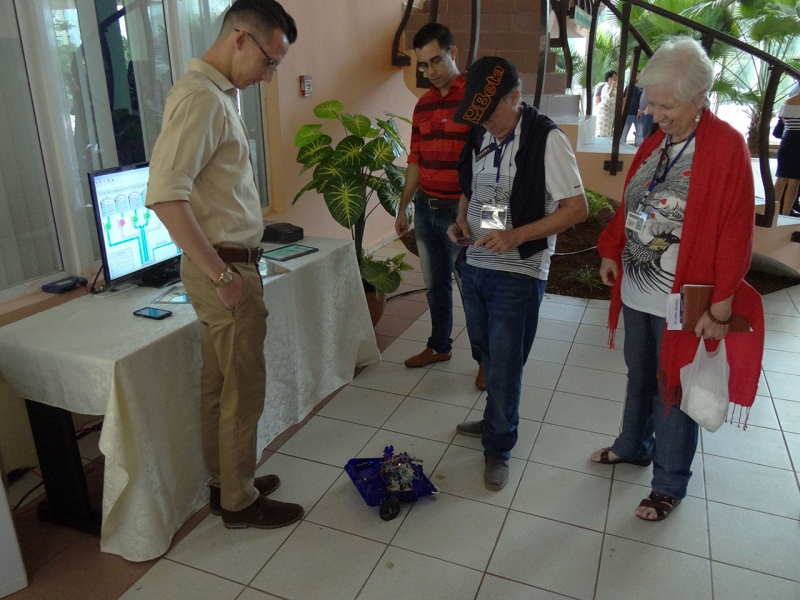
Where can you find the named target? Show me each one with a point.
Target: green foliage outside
(588, 277)
(597, 203)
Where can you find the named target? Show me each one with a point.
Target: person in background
(203, 190)
(608, 99)
(521, 187)
(788, 171)
(679, 225)
(633, 114)
(432, 182)
(644, 121)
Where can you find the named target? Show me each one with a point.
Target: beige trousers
(233, 381)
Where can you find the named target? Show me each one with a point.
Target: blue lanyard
(656, 179)
(500, 150)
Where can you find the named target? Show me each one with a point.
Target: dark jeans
(437, 255)
(502, 311)
(649, 430)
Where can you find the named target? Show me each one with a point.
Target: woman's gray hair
(682, 66)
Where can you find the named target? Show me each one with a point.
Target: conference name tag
(493, 216)
(635, 221)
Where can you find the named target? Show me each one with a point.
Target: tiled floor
(563, 527)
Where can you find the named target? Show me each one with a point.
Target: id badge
(635, 221)
(493, 216)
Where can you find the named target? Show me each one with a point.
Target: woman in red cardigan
(687, 218)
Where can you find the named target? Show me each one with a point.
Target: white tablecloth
(92, 356)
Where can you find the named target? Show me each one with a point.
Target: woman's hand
(609, 271)
(708, 330)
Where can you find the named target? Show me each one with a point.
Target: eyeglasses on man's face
(272, 66)
(433, 63)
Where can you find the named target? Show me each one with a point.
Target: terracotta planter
(376, 303)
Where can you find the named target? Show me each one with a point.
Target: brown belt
(434, 202)
(240, 255)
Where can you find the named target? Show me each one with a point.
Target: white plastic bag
(705, 387)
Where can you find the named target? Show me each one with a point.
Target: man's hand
(401, 223)
(232, 294)
(458, 230)
(501, 242)
(609, 271)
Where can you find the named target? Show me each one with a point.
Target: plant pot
(375, 302)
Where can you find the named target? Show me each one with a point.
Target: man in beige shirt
(203, 190)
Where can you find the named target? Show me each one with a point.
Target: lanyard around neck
(499, 151)
(660, 179)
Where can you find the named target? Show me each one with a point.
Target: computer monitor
(135, 245)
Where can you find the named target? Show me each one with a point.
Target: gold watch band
(225, 277)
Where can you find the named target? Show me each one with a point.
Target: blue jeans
(502, 311)
(650, 429)
(437, 257)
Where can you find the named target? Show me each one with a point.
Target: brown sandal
(661, 503)
(604, 460)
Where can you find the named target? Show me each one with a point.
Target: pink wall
(345, 45)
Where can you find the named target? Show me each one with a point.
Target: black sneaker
(471, 428)
(495, 473)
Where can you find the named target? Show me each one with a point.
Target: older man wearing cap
(521, 187)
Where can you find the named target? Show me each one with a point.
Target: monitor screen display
(135, 245)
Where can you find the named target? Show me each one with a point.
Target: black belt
(240, 255)
(434, 202)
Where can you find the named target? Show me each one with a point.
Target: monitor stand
(161, 276)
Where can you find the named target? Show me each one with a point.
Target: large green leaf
(329, 109)
(390, 130)
(396, 175)
(326, 172)
(381, 151)
(394, 116)
(314, 152)
(350, 153)
(357, 124)
(380, 277)
(307, 134)
(346, 199)
(309, 186)
(389, 197)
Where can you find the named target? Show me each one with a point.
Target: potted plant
(348, 175)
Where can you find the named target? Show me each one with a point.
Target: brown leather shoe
(427, 357)
(266, 484)
(263, 514)
(480, 379)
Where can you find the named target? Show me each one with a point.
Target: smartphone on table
(149, 312)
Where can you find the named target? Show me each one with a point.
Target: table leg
(62, 470)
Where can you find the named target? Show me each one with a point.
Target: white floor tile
(684, 531)
(556, 330)
(428, 451)
(461, 362)
(251, 594)
(793, 442)
(401, 349)
(743, 484)
(389, 377)
(231, 553)
(170, 580)
(460, 473)
(781, 362)
(562, 495)
(781, 323)
(644, 476)
(328, 441)
(595, 335)
(754, 540)
(583, 412)
(591, 382)
(526, 436)
(450, 388)
(302, 481)
(533, 402)
(555, 298)
(789, 413)
(317, 563)
(630, 569)
(776, 307)
(454, 529)
(782, 385)
(420, 331)
(88, 446)
(526, 552)
(599, 317)
(554, 351)
(570, 449)
(541, 374)
(561, 312)
(762, 413)
(756, 445)
(597, 357)
(362, 406)
(779, 340)
(780, 296)
(403, 574)
(494, 588)
(462, 340)
(733, 583)
(427, 419)
(343, 508)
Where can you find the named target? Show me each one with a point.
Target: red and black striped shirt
(437, 140)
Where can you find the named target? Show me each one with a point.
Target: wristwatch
(225, 278)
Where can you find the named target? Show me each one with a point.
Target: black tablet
(288, 252)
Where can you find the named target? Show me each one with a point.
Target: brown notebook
(695, 301)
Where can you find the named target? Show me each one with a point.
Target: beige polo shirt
(203, 156)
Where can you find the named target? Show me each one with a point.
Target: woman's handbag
(705, 387)
(778, 131)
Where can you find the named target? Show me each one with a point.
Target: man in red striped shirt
(432, 183)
